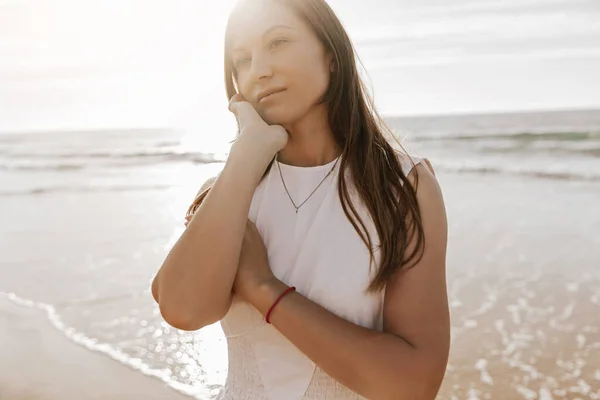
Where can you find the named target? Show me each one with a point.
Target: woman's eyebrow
(266, 32)
(276, 27)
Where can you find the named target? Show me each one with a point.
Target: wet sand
(520, 338)
(38, 362)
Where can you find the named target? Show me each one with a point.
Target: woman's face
(273, 50)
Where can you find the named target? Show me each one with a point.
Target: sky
(71, 64)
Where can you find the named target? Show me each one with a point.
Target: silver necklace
(313, 192)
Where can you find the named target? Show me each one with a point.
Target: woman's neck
(310, 142)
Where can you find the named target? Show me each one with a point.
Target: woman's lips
(270, 97)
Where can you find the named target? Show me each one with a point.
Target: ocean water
(560, 145)
(88, 217)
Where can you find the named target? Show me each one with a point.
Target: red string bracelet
(288, 290)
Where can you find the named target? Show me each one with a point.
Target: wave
(558, 175)
(116, 154)
(81, 339)
(55, 162)
(567, 136)
(567, 125)
(41, 167)
(586, 144)
(591, 176)
(83, 189)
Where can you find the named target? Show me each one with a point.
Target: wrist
(244, 171)
(265, 293)
(252, 168)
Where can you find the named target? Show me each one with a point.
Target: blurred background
(112, 114)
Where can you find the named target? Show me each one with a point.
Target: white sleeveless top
(319, 252)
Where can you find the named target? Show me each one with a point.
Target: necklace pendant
(313, 192)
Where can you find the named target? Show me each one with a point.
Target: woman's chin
(274, 116)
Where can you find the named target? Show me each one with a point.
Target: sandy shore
(38, 362)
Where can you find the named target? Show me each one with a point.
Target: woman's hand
(253, 267)
(257, 140)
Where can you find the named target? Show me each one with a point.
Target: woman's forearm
(194, 283)
(377, 365)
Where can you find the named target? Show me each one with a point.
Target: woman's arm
(193, 286)
(406, 361)
(209, 182)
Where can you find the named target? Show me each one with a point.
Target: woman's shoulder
(409, 161)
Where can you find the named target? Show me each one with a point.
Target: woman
(328, 285)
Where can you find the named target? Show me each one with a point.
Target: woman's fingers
(234, 100)
(245, 113)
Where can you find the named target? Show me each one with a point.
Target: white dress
(319, 252)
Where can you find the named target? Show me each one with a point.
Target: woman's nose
(261, 67)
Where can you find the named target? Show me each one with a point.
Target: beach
(113, 114)
(39, 362)
(86, 225)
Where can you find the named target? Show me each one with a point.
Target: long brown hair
(367, 151)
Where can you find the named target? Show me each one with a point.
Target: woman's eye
(274, 43)
(277, 42)
(241, 61)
